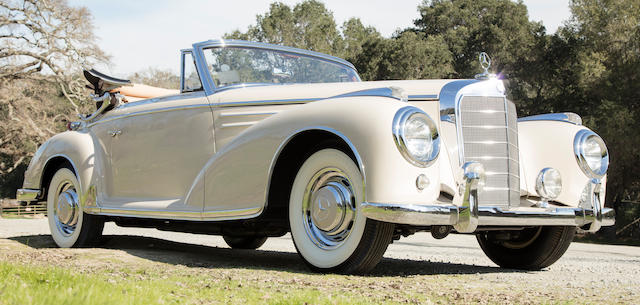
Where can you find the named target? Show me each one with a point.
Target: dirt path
(453, 269)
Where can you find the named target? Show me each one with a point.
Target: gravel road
(587, 273)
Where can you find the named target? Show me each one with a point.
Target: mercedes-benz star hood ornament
(485, 63)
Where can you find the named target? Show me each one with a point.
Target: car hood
(311, 92)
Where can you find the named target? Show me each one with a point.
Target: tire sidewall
(545, 250)
(314, 255)
(63, 241)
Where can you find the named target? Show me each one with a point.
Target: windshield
(231, 66)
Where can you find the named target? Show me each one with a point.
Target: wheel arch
(290, 156)
(52, 165)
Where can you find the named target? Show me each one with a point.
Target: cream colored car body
(211, 156)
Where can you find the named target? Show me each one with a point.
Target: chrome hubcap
(329, 208)
(66, 209)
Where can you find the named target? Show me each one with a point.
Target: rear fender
(78, 150)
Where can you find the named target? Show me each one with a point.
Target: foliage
(408, 56)
(32, 284)
(308, 25)
(42, 44)
(468, 27)
(157, 78)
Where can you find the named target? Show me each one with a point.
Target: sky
(150, 33)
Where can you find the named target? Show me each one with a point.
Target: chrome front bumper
(467, 217)
(27, 195)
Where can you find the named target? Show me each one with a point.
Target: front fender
(550, 144)
(237, 177)
(76, 147)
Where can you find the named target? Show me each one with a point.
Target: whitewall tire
(69, 225)
(329, 231)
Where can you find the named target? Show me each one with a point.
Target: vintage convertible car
(263, 140)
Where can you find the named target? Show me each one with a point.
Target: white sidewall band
(63, 241)
(315, 255)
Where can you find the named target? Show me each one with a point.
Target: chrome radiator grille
(490, 136)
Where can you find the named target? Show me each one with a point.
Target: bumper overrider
(468, 216)
(27, 195)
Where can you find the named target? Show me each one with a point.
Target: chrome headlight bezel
(404, 115)
(579, 144)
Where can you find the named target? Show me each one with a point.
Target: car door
(157, 149)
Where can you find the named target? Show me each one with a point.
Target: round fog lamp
(422, 182)
(549, 183)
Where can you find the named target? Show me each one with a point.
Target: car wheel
(247, 242)
(328, 229)
(69, 225)
(530, 249)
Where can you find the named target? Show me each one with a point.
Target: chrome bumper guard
(467, 217)
(27, 195)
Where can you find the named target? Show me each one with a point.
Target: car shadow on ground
(201, 256)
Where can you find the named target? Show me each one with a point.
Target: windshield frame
(207, 80)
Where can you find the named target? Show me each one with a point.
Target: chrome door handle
(114, 133)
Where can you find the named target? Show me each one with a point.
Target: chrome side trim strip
(423, 97)
(567, 117)
(27, 195)
(266, 102)
(177, 215)
(390, 92)
(239, 124)
(241, 114)
(146, 112)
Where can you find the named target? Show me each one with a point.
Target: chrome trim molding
(27, 195)
(567, 117)
(578, 150)
(390, 92)
(239, 124)
(207, 81)
(541, 188)
(423, 97)
(448, 95)
(399, 121)
(266, 102)
(593, 204)
(182, 78)
(242, 114)
(177, 215)
(468, 212)
(146, 112)
(261, 45)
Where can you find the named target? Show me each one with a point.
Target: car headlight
(416, 136)
(591, 153)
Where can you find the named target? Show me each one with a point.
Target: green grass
(29, 284)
